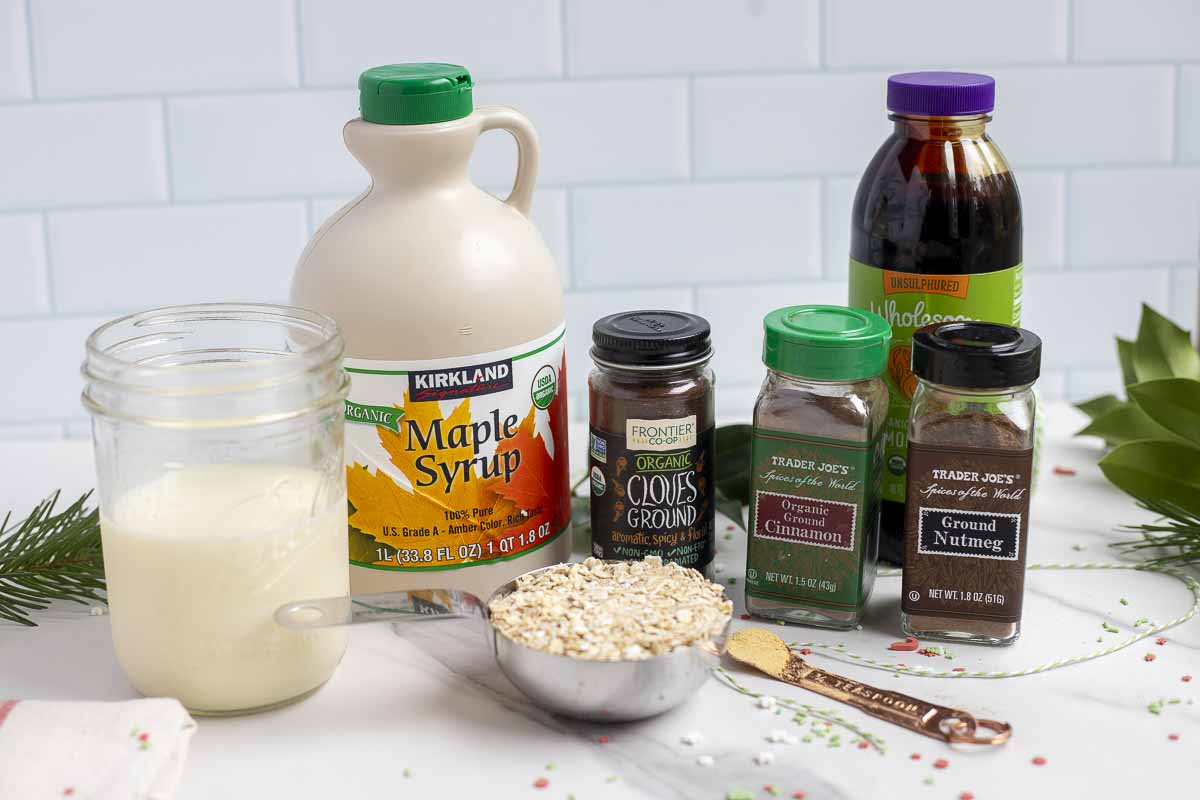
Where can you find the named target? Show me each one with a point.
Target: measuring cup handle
(516, 123)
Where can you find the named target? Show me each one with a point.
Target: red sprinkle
(915, 756)
(1039, 761)
(745, 616)
(1186, 679)
(541, 783)
(69, 791)
(966, 796)
(602, 739)
(928, 653)
(1149, 656)
(143, 737)
(798, 795)
(863, 745)
(959, 669)
(907, 645)
(1161, 640)
(1063, 471)
(1174, 737)
(806, 651)
(941, 763)
(769, 788)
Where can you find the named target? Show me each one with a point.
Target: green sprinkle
(772, 790)
(778, 622)
(611, 779)
(1110, 628)
(732, 581)
(1140, 621)
(1124, 602)
(1174, 701)
(1078, 547)
(807, 740)
(929, 781)
(550, 767)
(407, 772)
(739, 794)
(1099, 638)
(729, 537)
(1155, 708)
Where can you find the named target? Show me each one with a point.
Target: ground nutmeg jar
(651, 438)
(970, 462)
(816, 465)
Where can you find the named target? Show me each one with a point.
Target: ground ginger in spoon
(612, 611)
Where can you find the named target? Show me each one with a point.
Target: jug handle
(516, 123)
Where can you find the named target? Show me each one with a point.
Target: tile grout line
(29, 40)
(298, 29)
(1070, 32)
(168, 156)
(563, 28)
(1065, 221)
(1177, 140)
(824, 31)
(569, 222)
(691, 129)
(51, 300)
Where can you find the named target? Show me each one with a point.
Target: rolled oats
(612, 611)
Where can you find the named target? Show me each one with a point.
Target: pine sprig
(50, 555)
(1176, 531)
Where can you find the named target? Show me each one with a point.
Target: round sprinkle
(764, 758)
(541, 783)
(966, 796)
(602, 739)
(777, 736)
(1186, 679)
(806, 651)
(929, 781)
(864, 744)
(745, 616)
(1174, 737)
(798, 795)
(732, 581)
(550, 767)
(705, 761)
(766, 701)
(1160, 641)
(1149, 657)
(941, 763)
(770, 789)
(692, 738)
(1039, 761)
(915, 756)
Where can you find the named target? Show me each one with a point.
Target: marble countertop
(436, 707)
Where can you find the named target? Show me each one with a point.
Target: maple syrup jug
(451, 308)
(935, 235)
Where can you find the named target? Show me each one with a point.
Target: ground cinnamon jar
(651, 438)
(816, 465)
(970, 462)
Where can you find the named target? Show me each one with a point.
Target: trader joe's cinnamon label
(651, 491)
(966, 530)
(810, 514)
(456, 462)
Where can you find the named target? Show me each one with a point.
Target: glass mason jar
(816, 466)
(219, 458)
(970, 456)
(651, 425)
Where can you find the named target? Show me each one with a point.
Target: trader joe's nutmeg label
(810, 517)
(651, 491)
(458, 461)
(966, 531)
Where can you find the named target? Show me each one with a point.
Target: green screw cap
(826, 343)
(414, 94)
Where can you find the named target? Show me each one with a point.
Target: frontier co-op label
(651, 491)
(457, 461)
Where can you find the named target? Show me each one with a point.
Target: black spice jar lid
(651, 339)
(976, 355)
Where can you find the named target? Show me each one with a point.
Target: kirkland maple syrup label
(652, 491)
(909, 301)
(456, 462)
(811, 498)
(965, 532)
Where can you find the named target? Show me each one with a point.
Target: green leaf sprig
(50, 555)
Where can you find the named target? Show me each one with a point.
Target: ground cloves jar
(970, 465)
(651, 438)
(816, 466)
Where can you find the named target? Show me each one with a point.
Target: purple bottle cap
(941, 94)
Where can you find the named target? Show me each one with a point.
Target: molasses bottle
(935, 235)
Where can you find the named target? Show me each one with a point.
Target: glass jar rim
(143, 358)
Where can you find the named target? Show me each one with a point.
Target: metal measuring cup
(601, 691)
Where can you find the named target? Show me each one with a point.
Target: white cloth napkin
(132, 750)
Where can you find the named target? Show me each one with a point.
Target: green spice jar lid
(414, 94)
(826, 343)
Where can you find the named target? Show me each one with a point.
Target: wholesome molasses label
(909, 301)
(651, 489)
(965, 532)
(457, 462)
(813, 514)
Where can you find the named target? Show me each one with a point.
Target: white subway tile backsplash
(584, 308)
(41, 359)
(1069, 310)
(1084, 384)
(85, 48)
(839, 204)
(736, 314)
(789, 124)
(30, 431)
(929, 34)
(15, 81)
(590, 131)
(623, 37)
(1052, 385)
(1043, 216)
(513, 39)
(179, 254)
(1153, 30)
(23, 266)
(1047, 117)
(261, 145)
(1185, 286)
(1189, 113)
(1131, 217)
(65, 154)
(696, 233)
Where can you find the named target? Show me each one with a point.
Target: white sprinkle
(764, 758)
(705, 761)
(791, 739)
(718, 567)
(97, 611)
(766, 701)
(777, 736)
(692, 738)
